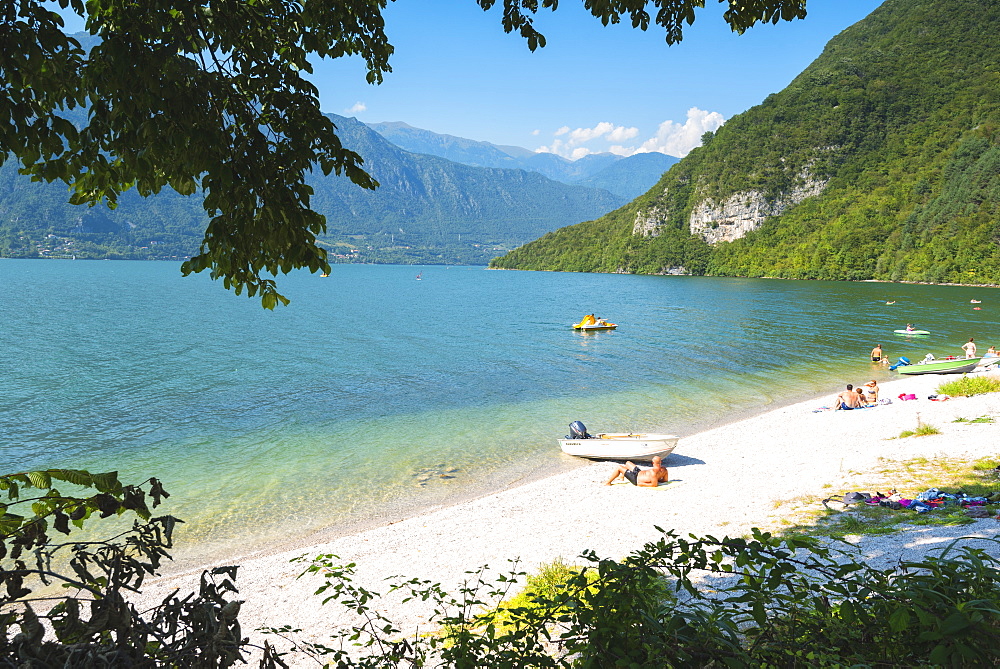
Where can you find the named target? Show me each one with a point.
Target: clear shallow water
(374, 394)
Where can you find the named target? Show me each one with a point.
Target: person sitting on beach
(847, 399)
(991, 352)
(862, 398)
(645, 478)
(877, 353)
(871, 390)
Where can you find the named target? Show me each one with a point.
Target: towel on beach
(662, 486)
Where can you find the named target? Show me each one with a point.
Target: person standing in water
(877, 353)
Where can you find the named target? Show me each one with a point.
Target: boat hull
(641, 447)
(959, 366)
(911, 332)
(587, 328)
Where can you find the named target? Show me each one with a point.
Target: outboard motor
(577, 430)
(900, 363)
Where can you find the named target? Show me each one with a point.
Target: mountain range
(881, 160)
(427, 209)
(628, 177)
(441, 199)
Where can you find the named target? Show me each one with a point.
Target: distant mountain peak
(629, 179)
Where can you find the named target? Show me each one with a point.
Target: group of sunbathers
(857, 398)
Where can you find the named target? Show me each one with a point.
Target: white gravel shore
(728, 480)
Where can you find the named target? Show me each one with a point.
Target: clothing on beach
(632, 476)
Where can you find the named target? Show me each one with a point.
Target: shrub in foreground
(91, 622)
(763, 601)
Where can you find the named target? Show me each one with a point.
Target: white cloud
(357, 107)
(536, 132)
(675, 139)
(573, 148)
(620, 134)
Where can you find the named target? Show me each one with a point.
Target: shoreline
(192, 558)
(745, 473)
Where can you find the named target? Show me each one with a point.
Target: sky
(591, 89)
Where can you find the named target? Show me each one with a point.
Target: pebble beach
(763, 471)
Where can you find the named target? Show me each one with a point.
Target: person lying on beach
(645, 478)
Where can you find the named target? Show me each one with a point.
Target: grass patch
(967, 386)
(976, 478)
(922, 430)
(981, 419)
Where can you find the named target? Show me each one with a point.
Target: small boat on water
(616, 445)
(912, 332)
(591, 322)
(941, 366)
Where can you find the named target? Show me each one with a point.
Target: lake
(374, 395)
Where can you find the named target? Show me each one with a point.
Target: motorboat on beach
(591, 322)
(616, 445)
(949, 365)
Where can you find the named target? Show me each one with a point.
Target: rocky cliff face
(733, 217)
(744, 212)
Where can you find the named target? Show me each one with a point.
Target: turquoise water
(373, 394)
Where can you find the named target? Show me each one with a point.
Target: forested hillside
(880, 161)
(426, 210)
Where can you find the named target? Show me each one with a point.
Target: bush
(95, 625)
(763, 601)
(967, 386)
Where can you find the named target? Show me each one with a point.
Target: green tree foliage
(94, 624)
(758, 602)
(189, 94)
(899, 115)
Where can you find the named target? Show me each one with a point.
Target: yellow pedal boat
(591, 322)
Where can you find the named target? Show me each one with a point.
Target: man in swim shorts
(877, 353)
(644, 478)
(847, 399)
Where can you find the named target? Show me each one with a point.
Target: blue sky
(591, 89)
(456, 72)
